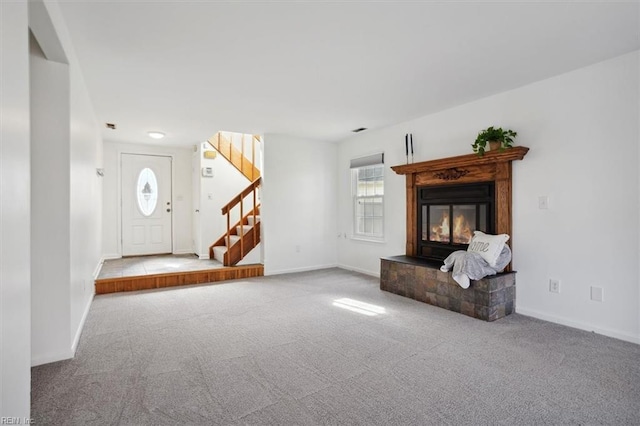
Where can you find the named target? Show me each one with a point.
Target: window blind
(369, 160)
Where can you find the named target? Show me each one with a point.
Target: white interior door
(146, 204)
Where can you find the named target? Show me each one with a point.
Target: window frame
(152, 182)
(356, 216)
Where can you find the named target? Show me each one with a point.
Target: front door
(146, 204)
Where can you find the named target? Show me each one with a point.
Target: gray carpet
(278, 351)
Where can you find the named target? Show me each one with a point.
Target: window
(147, 192)
(368, 196)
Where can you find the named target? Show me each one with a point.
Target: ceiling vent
(111, 126)
(361, 129)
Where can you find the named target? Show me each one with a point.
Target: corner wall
(50, 204)
(15, 257)
(298, 204)
(582, 128)
(65, 181)
(86, 202)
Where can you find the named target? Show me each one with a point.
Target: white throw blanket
(471, 266)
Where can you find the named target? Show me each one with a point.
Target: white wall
(86, 202)
(582, 128)
(298, 204)
(66, 210)
(50, 209)
(181, 195)
(586, 160)
(15, 300)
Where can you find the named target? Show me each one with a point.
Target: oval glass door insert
(147, 191)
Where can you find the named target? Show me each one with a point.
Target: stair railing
(235, 156)
(238, 199)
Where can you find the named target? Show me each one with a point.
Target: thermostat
(209, 154)
(207, 172)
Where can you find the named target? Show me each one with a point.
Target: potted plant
(497, 139)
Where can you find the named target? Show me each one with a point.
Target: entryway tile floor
(156, 264)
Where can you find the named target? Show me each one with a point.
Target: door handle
(168, 210)
(197, 211)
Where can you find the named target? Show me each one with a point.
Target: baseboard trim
(183, 251)
(111, 256)
(48, 359)
(96, 272)
(294, 270)
(577, 324)
(85, 314)
(359, 270)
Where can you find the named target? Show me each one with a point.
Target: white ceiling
(321, 69)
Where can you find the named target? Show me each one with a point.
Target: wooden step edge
(172, 279)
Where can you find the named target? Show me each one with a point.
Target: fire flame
(462, 231)
(440, 232)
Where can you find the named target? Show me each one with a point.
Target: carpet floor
(328, 348)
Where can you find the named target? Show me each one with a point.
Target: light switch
(596, 294)
(543, 202)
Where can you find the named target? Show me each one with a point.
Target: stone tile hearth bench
(488, 299)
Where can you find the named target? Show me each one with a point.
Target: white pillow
(488, 246)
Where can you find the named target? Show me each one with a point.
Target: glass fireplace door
(448, 215)
(453, 223)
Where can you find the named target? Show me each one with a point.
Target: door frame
(119, 194)
(196, 201)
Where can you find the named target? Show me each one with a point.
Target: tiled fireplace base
(488, 299)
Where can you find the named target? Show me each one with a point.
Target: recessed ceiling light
(156, 135)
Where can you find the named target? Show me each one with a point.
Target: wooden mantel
(493, 166)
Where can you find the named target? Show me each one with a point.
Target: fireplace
(448, 199)
(447, 216)
(468, 192)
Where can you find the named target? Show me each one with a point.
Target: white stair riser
(250, 220)
(218, 253)
(234, 239)
(245, 228)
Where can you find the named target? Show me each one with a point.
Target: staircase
(241, 236)
(244, 234)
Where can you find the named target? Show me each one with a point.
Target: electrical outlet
(597, 294)
(554, 285)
